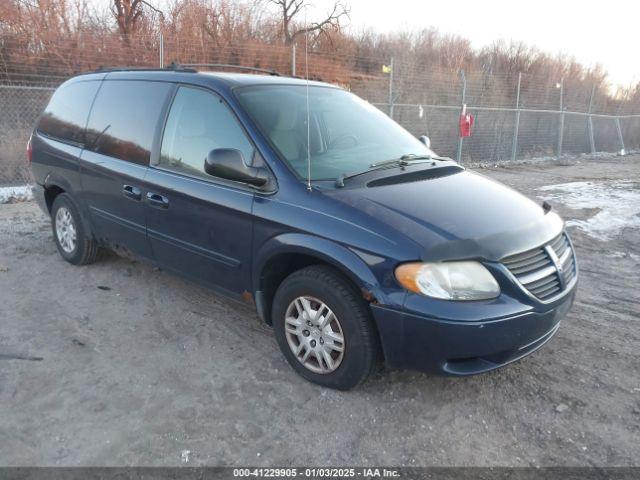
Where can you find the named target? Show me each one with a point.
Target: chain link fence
(19, 109)
(516, 116)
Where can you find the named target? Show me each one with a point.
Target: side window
(66, 114)
(199, 122)
(124, 118)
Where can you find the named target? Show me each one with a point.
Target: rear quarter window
(124, 119)
(66, 114)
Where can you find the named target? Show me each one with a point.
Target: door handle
(157, 200)
(132, 192)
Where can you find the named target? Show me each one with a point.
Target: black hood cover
(456, 216)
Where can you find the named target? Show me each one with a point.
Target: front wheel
(324, 329)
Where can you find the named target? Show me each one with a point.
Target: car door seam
(210, 254)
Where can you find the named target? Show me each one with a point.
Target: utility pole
(293, 59)
(620, 137)
(561, 122)
(592, 142)
(391, 88)
(514, 146)
(462, 112)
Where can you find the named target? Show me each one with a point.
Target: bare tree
(128, 14)
(289, 9)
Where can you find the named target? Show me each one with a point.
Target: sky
(604, 31)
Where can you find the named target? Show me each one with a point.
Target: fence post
(293, 59)
(561, 128)
(592, 141)
(161, 50)
(620, 136)
(391, 88)
(514, 147)
(462, 111)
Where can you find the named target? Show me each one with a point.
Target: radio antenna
(306, 68)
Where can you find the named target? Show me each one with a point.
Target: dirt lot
(121, 364)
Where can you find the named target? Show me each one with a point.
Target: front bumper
(454, 347)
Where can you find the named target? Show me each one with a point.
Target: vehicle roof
(236, 79)
(219, 79)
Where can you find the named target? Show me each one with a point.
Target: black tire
(361, 346)
(86, 248)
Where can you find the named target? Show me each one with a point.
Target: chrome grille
(544, 271)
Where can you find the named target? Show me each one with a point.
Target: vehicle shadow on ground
(179, 310)
(218, 310)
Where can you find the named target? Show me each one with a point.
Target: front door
(198, 225)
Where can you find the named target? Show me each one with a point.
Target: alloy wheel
(65, 230)
(314, 334)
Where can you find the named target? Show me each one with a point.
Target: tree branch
(332, 20)
(157, 10)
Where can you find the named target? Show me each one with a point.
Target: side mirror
(228, 163)
(426, 140)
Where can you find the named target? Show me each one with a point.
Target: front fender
(335, 254)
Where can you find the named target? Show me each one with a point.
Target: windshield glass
(346, 134)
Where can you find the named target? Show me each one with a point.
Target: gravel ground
(120, 364)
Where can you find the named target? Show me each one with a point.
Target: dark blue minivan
(351, 237)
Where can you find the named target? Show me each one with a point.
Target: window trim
(72, 143)
(155, 159)
(64, 141)
(156, 146)
(158, 125)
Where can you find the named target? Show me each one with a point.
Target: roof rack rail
(173, 66)
(226, 65)
(186, 67)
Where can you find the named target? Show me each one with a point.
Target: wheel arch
(55, 185)
(50, 194)
(283, 255)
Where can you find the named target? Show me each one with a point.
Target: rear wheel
(74, 245)
(323, 328)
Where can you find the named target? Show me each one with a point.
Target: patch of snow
(11, 194)
(625, 255)
(185, 456)
(568, 159)
(617, 205)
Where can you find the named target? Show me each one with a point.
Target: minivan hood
(465, 215)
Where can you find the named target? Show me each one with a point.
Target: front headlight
(466, 280)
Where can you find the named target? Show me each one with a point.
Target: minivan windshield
(346, 134)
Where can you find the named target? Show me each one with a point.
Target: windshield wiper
(402, 161)
(417, 156)
(382, 165)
